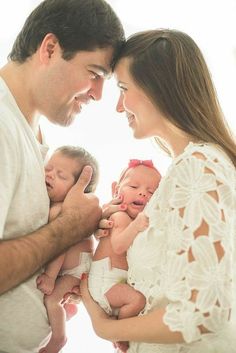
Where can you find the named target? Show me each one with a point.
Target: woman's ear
(114, 189)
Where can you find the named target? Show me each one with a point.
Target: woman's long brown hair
(171, 70)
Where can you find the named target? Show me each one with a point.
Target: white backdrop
(212, 23)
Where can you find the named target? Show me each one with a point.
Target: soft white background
(211, 23)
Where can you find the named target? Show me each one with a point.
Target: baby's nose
(50, 175)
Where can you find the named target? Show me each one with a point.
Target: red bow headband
(135, 163)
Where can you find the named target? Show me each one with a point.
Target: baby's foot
(45, 283)
(121, 346)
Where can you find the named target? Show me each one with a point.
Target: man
(58, 63)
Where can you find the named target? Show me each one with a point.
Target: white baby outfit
(199, 185)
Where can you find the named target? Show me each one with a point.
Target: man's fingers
(84, 178)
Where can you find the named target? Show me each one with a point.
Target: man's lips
(130, 118)
(79, 103)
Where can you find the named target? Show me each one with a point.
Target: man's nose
(95, 91)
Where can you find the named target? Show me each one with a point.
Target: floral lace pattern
(191, 215)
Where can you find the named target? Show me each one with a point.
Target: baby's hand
(45, 283)
(141, 222)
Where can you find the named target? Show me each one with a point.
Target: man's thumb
(85, 177)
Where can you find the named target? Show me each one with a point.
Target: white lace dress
(199, 187)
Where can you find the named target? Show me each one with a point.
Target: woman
(188, 251)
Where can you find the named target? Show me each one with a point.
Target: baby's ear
(114, 189)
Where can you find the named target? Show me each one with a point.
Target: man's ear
(114, 189)
(48, 47)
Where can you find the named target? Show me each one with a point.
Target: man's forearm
(20, 258)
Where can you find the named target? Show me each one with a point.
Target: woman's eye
(123, 89)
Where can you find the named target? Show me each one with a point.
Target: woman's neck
(178, 140)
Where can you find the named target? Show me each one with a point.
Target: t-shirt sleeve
(8, 173)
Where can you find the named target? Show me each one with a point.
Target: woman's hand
(100, 320)
(93, 309)
(115, 205)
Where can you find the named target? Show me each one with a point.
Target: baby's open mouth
(48, 185)
(138, 203)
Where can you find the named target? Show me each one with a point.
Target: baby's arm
(54, 211)
(46, 281)
(125, 230)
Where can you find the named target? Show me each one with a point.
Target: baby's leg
(56, 313)
(129, 301)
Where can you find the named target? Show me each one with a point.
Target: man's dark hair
(77, 24)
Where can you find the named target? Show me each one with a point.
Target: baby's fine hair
(83, 157)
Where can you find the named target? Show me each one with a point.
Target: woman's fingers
(104, 227)
(111, 208)
(105, 223)
(92, 307)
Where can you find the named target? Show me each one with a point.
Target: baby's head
(136, 185)
(64, 168)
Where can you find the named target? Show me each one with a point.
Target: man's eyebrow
(103, 71)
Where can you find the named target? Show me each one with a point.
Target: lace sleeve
(200, 232)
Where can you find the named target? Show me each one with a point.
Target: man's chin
(68, 121)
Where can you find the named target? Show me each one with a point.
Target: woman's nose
(120, 106)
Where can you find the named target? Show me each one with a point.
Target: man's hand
(82, 209)
(24, 255)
